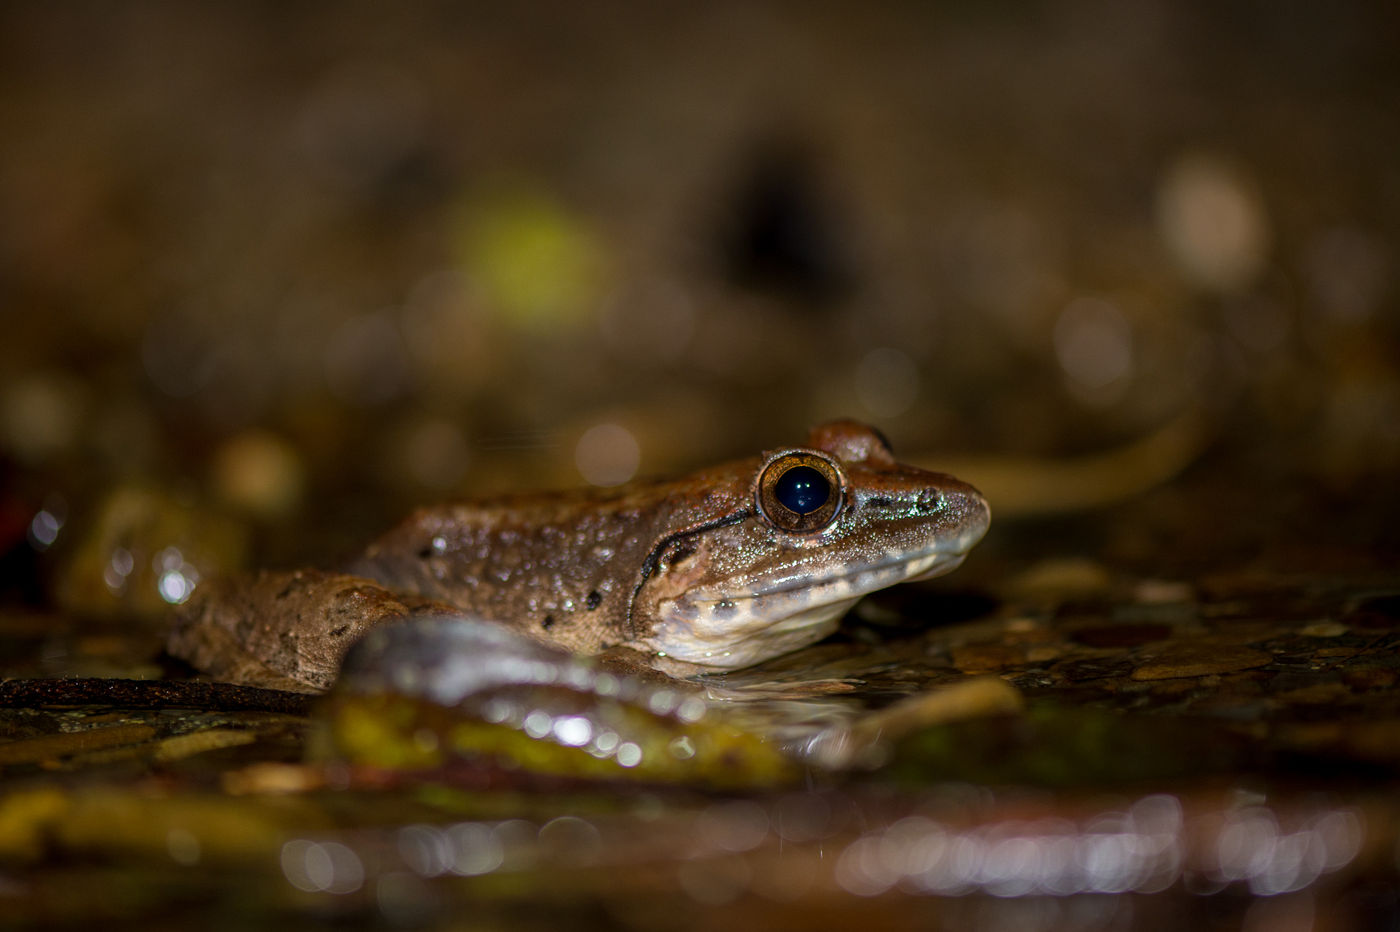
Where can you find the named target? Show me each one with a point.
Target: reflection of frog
(718, 570)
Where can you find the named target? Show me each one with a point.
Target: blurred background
(271, 274)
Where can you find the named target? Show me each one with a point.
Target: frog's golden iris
(800, 491)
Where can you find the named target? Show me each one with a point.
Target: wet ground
(1194, 747)
(273, 277)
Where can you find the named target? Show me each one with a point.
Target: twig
(149, 694)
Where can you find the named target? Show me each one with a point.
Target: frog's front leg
(286, 630)
(638, 665)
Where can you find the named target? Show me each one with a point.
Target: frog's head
(810, 530)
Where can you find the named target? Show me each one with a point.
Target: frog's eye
(802, 489)
(799, 491)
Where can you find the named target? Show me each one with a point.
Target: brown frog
(718, 570)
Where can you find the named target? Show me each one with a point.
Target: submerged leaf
(422, 695)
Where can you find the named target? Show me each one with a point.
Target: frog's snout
(979, 512)
(966, 514)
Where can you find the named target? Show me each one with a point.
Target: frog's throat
(730, 629)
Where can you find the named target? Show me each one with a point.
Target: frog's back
(558, 566)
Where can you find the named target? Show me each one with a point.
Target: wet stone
(1199, 660)
(1286, 680)
(1324, 629)
(1322, 693)
(1248, 631)
(987, 658)
(1043, 653)
(1163, 591)
(1367, 678)
(1163, 691)
(1129, 635)
(1091, 668)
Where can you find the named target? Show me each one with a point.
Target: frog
(715, 571)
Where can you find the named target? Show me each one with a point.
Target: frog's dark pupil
(802, 489)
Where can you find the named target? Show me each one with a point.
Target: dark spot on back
(548, 622)
(879, 501)
(595, 598)
(425, 553)
(340, 631)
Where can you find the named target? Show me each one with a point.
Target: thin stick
(149, 694)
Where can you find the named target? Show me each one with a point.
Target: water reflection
(118, 568)
(1145, 849)
(175, 576)
(44, 528)
(782, 847)
(1251, 846)
(322, 866)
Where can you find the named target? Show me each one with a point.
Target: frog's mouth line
(738, 626)
(863, 578)
(735, 629)
(940, 563)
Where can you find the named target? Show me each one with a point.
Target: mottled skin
(691, 574)
(561, 566)
(601, 570)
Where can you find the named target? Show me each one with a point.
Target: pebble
(1200, 661)
(987, 658)
(1371, 678)
(1163, 592)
